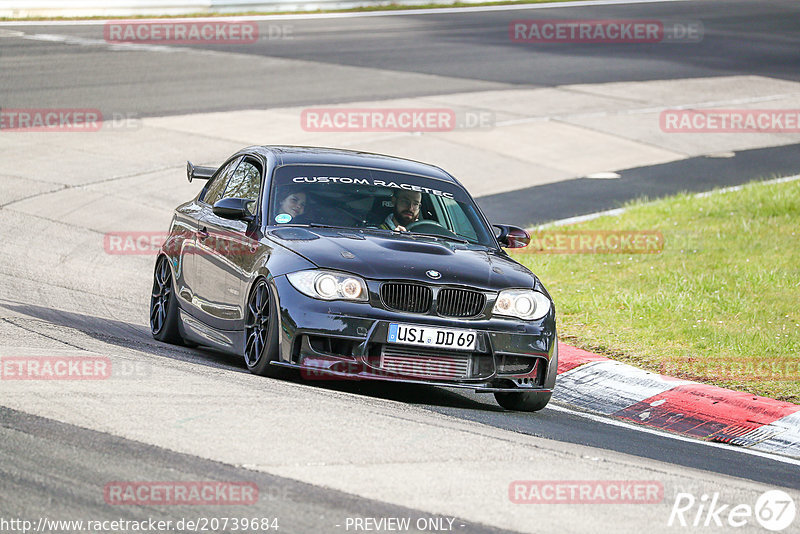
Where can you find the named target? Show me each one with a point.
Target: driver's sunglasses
(407, 202)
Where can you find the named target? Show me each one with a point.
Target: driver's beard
(404, 220)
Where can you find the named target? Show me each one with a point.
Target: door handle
(202, 233)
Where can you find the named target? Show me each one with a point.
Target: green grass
(720, 304)
(387, 7)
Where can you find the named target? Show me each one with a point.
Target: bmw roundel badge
(434, 274)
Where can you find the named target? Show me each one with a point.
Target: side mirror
(512, 236)
(233, 208)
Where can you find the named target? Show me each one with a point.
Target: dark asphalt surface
(581, 196)
(55, 468)
(426, 54)
(59, 472)
(332, 60)
(480, 408)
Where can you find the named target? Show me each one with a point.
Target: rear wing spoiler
(201, 173)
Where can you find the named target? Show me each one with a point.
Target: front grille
(460, 303)
(406, 297)
(425, 363)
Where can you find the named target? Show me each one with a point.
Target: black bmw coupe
(352, 265)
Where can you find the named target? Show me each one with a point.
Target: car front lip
(482, 387)
(364, 325)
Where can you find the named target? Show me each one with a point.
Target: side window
(216, 187)
(245, 182)
(461, 223)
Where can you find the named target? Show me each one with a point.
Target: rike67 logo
(774, 510)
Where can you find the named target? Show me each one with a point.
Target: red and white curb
(599, 384)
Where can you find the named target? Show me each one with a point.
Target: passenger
(405, 211)
(292, 204)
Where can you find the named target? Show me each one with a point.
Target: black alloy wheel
(261, 332)
(163, 306)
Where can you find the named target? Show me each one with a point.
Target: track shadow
(430, 396)
(118, 333)
(138, 337)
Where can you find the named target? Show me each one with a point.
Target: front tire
(261, 332)
(528, 401)
(164, 305)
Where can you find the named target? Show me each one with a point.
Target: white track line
(738, 187)
(620, 211)
(615, 422)
(312, 16)
(639, 428)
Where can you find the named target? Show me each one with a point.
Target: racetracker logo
(378, 120)
(433, 368)
(180, 493)
(730, 121)
(594, 242)
(204, 243)
(181, 32)
(604, 31)
(50, 120)
(55, 367)
(586, 492)
(743, 369)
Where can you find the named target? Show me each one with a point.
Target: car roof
(299, 155)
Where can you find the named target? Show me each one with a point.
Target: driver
(406, 206)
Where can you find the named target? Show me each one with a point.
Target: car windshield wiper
(318, 225)
(449, 238)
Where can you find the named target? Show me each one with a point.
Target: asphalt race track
(324, 453)
(434, 53)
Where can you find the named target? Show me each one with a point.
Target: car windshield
(352, 197)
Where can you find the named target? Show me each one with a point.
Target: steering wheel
(430, 227)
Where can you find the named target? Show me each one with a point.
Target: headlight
(329, 285)
(523, 303)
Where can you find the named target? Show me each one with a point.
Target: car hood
(393, 256)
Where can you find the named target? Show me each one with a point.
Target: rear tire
(528, 401)
(164, 305)
(261, 333)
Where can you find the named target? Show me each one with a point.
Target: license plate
(428, 336)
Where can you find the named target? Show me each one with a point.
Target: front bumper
(341, 340)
